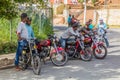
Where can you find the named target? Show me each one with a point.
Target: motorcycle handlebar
(52, 36)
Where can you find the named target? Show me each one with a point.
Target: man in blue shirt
(91, 27)
(69, 20)
(29, 28)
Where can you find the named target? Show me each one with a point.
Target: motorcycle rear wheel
(87, 54)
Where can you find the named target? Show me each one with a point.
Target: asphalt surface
(106, 69)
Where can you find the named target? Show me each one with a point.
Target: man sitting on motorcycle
(102, 29)
(86, 29)
(90, 24)
(72, 31)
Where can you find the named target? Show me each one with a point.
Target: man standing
(22, 33)
(69, 20)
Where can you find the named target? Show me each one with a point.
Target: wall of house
(113, 16)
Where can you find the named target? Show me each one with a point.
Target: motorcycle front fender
(100, 43)
(53, 51)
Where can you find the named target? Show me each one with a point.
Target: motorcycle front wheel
(23, 62)
(86, 55)
(59, 59)
(100, 52)
(36, 64)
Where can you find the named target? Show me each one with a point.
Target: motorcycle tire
(87, 55)
(98, 53)
(36, 64)
(61, 62)
(23, 62)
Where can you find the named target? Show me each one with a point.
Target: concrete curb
(7, 67)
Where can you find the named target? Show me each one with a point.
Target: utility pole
(105, 4)
(85, 8)
(107, 10)
(65, 12)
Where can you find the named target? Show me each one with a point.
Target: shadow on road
(73, 70)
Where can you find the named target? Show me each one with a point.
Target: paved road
(107, 69)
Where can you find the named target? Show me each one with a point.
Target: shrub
(8, 47)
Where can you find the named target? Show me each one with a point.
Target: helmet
(100, 19)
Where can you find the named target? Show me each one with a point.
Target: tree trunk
(11, 30)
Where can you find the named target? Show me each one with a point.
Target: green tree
(8, 10)
(41, 2)
(81, 1)
(93, 1)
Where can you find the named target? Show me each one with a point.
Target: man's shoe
(18, 68)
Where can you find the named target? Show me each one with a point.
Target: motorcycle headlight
(82, 37)
(23, 52)
(35, 47)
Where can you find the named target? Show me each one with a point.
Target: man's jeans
(63, 42)
(19, 51)
(106, 40)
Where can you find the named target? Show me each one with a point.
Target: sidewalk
(7, 60)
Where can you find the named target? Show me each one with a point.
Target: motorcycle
(50, 48)
(102, 36)
(30, 57)
(76, 49)
(99, 49)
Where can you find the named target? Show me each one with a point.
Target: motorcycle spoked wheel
(59, 59)
(100, 52)
(23, 62)
(71, 53)
(36, 64)
(86, 55)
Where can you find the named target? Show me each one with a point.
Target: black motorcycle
(30, 56)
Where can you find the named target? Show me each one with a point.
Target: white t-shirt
(69, 32)
(22, 30)
(102, 28)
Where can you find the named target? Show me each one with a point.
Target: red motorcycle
(99, 50)
(50, 48)
(76, 49)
